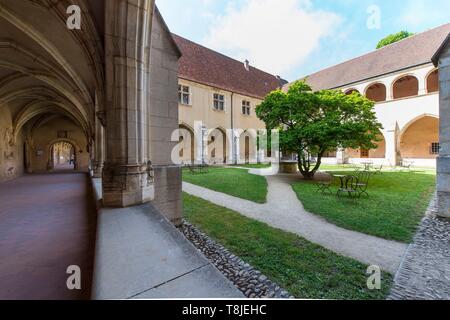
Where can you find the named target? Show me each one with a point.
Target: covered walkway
(47, 223)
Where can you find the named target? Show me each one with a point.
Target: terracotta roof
(413, 51)
(205, 66)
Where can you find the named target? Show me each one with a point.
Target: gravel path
(251, 282)
(425, 272)
(283, 210)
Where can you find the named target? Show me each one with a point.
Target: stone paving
(424, 273)
(284, 211)
(251, 282)
(47, 223)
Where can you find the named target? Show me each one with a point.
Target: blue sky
(293, 38)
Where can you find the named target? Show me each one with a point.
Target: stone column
(443, 161)
(390, 136)
(341, 157)
(127, 176)
(97, 165)
(422, 85)
(201, 142)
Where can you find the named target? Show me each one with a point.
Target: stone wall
(11, 152)
(46, 135)
(164, 120)
(443, 162)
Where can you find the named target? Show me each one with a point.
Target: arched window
(376, 92)
(433, 82)
(350, 91)
(407, 86)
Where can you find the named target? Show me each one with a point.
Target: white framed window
(184, 95)
(246, 107)
(219, 102)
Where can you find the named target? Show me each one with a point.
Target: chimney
(247, 65)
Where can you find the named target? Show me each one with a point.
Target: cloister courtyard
(319, 245)
(133, 163)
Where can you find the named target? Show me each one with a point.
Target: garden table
(367, 165)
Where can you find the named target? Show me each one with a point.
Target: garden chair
(378, 169)
(325, 186)
(363, 183)
(350, 187)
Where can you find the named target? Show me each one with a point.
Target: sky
(294, 38)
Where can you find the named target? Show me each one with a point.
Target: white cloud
(274, 35)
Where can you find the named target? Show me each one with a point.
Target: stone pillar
(443, 161)
(341, 157)
(390, 136)
(389, 91)
(422, 85)
(201, 142)
(127, 174)
(97, 165)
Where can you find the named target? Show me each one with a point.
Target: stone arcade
(100, 98)
(91, 88)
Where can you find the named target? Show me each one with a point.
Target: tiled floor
(47, 223)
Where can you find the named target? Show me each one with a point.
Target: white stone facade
(397, 115)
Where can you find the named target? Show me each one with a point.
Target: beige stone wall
(201, 109)
(46, 135)
(418, 137)
(163, 121)
(11, 154)
(377, 153)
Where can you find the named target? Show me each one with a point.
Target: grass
(304, 269)
(256, 165)
(396, 204)
(235, 182)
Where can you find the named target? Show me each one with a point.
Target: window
(364, 153)
(246, 107)
(184, 95)
(219, 102)
(435, 147)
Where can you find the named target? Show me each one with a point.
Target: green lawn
(304, 269)
(235, 182)
(396, 205)
(256, 165)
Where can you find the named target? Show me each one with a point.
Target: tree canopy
(313, 123)
(392, 38)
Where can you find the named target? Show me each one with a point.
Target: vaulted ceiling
(47, 69)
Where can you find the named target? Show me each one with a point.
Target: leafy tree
(312, 124)
(392, 38)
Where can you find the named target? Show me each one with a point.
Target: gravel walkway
(283, 210)
(251, 282)
(425, 272)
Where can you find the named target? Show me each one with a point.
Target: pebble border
(251, 282)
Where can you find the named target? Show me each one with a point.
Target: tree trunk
(305, 169)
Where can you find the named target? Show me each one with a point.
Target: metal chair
(378, 169)
(363, 183)
(325, 186)
(350, 187)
